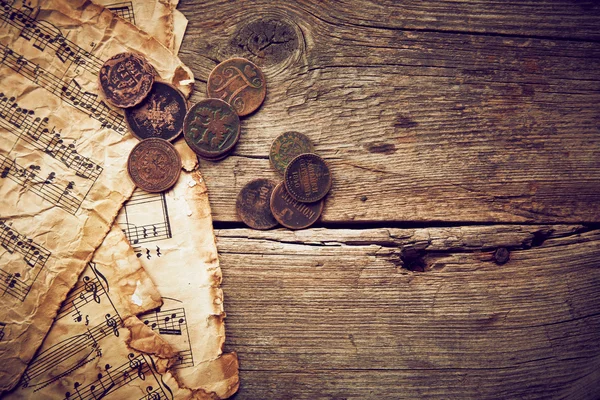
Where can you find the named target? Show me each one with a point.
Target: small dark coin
(253, 204)
(238, 82)
(159, 115)
(154, 165)
(287, 146)
(126, 79)
(291, 213)
(211, 128)
(307, 178)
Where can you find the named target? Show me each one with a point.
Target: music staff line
(34, 255)
(149, 232)
(43, 187)
(123, 10)
(90, 290)
(70, 93)
(45, 35)
(35, 132)
(172, 322)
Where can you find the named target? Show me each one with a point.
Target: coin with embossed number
(126, 79)
(211, 128)
(238, 82)
(287, 146)
(154, 165)
(291, 213)
(307, 178)
(253, 204)
(159, 115)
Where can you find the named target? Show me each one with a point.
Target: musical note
(151, 231)
(2, 326)
(172, 323)
(77, 317)
(70, 92)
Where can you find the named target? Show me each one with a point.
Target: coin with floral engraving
(154, 165)
(291, 213)
(238, 82)
(287, 146)
(253, 204)
(126, 79)
(307, 178)
(211, 128)
(159, 115)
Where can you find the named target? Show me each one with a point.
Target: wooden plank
(336, 313)
(417, 125)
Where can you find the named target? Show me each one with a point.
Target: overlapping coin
(253, 204)
(126, 79)
(159, 115)
(238, 82)
(287, 146)
(154, 165)
(291, 213)
(307, 178)
(211, 128)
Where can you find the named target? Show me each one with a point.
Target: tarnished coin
(159, 115)
(307, 178)
(154, 165)
(287, 146)
(238, 82)
(291, 213)
(126, 79)
(253, 204)
(211, 128)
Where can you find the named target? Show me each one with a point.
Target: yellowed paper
(86, 353)
(180, 23)
(174, 239)
(62, 157)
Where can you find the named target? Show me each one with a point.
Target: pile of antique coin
(157, 113)
(295, 203)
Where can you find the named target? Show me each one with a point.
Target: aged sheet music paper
(182, 261)
(62, 157)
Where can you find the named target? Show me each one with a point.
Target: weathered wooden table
(453, 128)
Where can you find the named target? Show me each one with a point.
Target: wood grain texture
(336, 314)
(426, 111)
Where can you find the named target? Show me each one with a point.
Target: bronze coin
(238, 82)
(253, 204)
(287, 146)
(126, 79)
(159, 115)
(211, 128)
(154, 165)
(307, 178)
(291, 213)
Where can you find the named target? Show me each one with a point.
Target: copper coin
(291, 213)
(126, 79)
(287, 146)
(238, 82)
(154, 165)
(307, 178)
(159, 115)
(253, 204)
(211, 128)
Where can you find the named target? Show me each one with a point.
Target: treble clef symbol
(91, 287)
(111, 323)
(134, 363)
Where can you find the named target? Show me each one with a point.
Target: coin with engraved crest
(159, 115)
(126, 79)
(291, 213)
(253, 204)
(287, 146)
(211, 128)
(307, 178)
(154, 165)
(238, 82)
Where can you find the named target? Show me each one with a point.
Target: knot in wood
(501, 255)
(270, 40)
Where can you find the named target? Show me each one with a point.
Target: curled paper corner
(186, 82)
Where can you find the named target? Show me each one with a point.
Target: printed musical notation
(47, 36)
(35, 256)
(134, 218)
(90, 289)
(60, 196)
(34, 131)
(172, 323)
(123, 10)
(70, 92)
(137, 367)
(2, 326)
